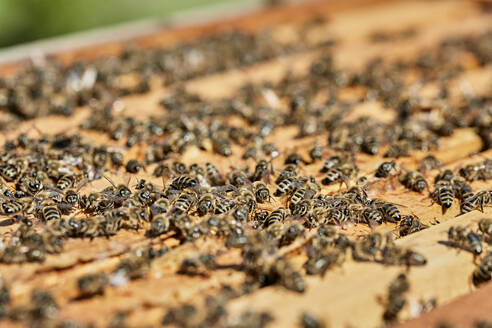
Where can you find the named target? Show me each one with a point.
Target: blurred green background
(27, 20)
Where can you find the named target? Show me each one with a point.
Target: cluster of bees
(257, 208)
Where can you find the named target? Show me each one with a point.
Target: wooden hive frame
(345, 296)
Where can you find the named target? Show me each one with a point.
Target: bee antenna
(109, 180)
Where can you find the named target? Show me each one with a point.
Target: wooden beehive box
(354, 32)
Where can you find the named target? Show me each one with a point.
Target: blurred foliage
(28, 20)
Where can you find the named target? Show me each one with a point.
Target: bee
(133, 166)
(92, 284)
(384, 169)
(316, 153)
(238, 178)
(393, 255)
(205, 204)
(396, 298)
(429, 162)
(160, 224)
(199, 265)
(222, 146)
(184, 201)
(485, 227)
(52, 243)
(467, 197)
(471, 172)
(260, 218)
(286, 187)
(303, 208)
(483, 272)
(182, 182)
(342, 173)
(10, 172)
(247, 198)
(293, 159)
(399, 149)
(10, 207)
(30, 185)
(144, 197)
(66, 181)
(465, 239)
(337, 161)
(223, 205)
(49, 210)
(287, 275)
(390, 212)
(277, 215)
(289, 171)
(369, 247)
(43, 305)
(261, 192)
(135, 266)
(134, 217)
(413, 181)
(116, 158)
(409, 224)
(443, 194)
(213, 175)
(290, 234)
(372, 215)
(323, 260)
(308, 321)
(263, 170)
(483, 198)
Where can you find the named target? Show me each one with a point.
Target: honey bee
(66, 181)
(223, 205)
(443, 194)
(343, 173)
(160, 224)
(199, 265)
(413, 181)
(222, 146)
(308, 321)
(384, 169)
(10, 172)
(92, 284)
(184, 201)
(290, 234)
(467, 198)
(286, 187)
(275, 216)
(429, 162)
(30, 185)
(205, 204)
(213, 175)
(316, 153)
(409, 224)
(133, 166)
(182, 182)
(263, 170)
(261, 192)
(396, 298)
(483, 198)
(293, 159)
(10, 207)
(390, 212)
(238, 178)
(49, 210)
(465, 239)
(393, 255)
(399, 149)
(483, 271)
(247, 198)
(369, 247)
(116, 158)
(485, 227)
(320, 263)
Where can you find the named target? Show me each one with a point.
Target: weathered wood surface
(345, 296)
